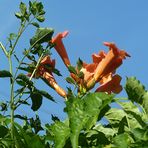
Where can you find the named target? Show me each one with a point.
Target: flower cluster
(101, 70)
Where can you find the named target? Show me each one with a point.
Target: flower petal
(54, 84)
(111, 62)
(98, 57)
(47, 60)
(112, 85)
(60, 48)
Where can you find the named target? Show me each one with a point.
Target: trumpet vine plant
(91, 91)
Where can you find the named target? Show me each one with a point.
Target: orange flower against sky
(103, 69)
(44, 70)
(60, 48)
(110, 62)
(107, 63)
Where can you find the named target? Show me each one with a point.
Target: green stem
(21, 30)
(19, 66)
(4, 49)
(11, 97)
(74, 140)
(12, 80)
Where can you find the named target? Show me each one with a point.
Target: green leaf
(20, 117)
(19, 141)
(106, 100)
(5, 73)
(12, 36)
(92, 105)
(136, 92)
(140, 134)
(32, 7)
(39, 6)
(109, 132)
(36, 100)
(3, 131)
(129, 106)
(83, 141)
(35, 24)
(96, 138)
(21, 83)
(29, 138)
(72, 69)
(36, 124)
(40, 18)
(25, 69)
(79, 64)
(42, 35)
(42, 12)
(26, 52)
(4, 120)
(145, 102)
(18, 15)
(31, 57)
(54, 118)
(81, 75)
(45, 94)
(70, 80)
(37, 9)
(35, 141)
(23, 102)
(82, 113)
(20, 90)
(60, 132)
(133, 112)
(134, 89)
(122, 125)
(121, 141)
(114, 115)
(23, 8)
(57, 72)
(21, 78)
(26, 16)
(74, 108)
(3, 106)
(103, 111)
(17, 59)
(38, 49)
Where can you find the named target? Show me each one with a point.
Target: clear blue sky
(90, 23)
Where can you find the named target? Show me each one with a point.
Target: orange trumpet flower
(111, 61)
(108, 64)
(44, 70)
(60, 48)
(102, 70)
